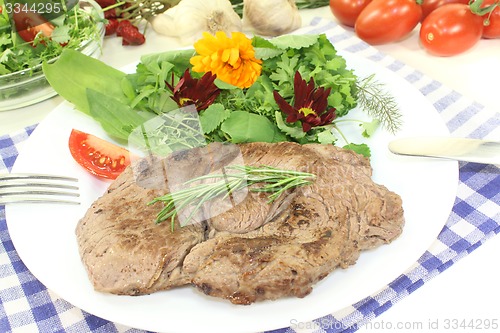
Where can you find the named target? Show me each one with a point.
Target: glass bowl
(29, 86)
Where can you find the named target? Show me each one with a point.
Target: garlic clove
(164, 24)
(190, 18)
(271, 18)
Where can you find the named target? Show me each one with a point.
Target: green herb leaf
(362, 149)
(243, 126)
(326, 137)
(61, 34)
(295, 132)
(369, 127)
(213, 116)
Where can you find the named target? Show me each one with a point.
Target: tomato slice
(100, 157)
(29, 24)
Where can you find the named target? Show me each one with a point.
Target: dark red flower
(310, 105)
(200, 92)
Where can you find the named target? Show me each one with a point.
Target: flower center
(185, 101)
(307, 111)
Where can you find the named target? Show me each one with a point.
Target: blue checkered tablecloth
(27, 306)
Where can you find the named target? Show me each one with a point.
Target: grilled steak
(253, 251)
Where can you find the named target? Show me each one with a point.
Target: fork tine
(12, 200)
(36, 185)
(32, 192)
(21, 176)
(37, 188)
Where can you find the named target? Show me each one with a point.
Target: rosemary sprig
(236, 177)
(379, 104)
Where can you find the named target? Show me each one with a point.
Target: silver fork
(38, 188)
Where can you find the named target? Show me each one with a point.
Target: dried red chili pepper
(132, 36)
(106, 3)
(130, 33)
(110, 13)
(122, 25)
(111, 26)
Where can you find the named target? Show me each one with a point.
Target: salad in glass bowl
(37, 31)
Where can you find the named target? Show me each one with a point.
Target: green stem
(476, 7)
(341, 134)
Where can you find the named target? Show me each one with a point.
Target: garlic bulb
(271, 17)
(190, 18)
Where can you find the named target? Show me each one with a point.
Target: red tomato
(430, 5)
(29, 24)
(98, 156)
(347, 11)
(385, 21)
(492, 26)
(450, 30)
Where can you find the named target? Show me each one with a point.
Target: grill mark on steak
(252, 252)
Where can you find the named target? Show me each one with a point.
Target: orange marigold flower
(231, 59)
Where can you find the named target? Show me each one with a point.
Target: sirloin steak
(251, 252)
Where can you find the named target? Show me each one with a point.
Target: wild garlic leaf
(265, 53)
(294, 41)
(260, 42)
(179, 59)
(116, 118)
(74, 72)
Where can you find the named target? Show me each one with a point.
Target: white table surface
(475, 75)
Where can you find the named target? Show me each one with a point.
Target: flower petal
(231, 59)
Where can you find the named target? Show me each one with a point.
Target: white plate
(45, 240)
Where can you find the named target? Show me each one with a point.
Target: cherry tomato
(100, 157)
(347, 11)
(385, 21)
(450, 30)
(492, 27)
(28, 24)
(430, 5)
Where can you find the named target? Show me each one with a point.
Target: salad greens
(71, 28)
(121, 102)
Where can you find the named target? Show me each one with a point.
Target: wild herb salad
(290, 88)
(27, 38)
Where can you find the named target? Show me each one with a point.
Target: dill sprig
(234, 178)
(379, 104)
